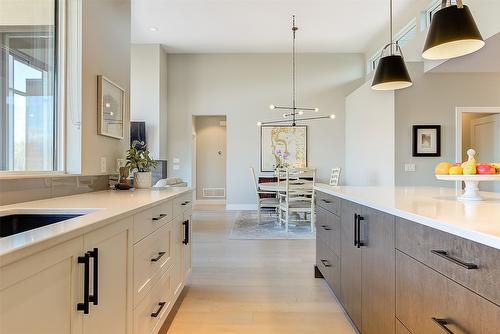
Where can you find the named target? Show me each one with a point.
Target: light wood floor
(253, 286)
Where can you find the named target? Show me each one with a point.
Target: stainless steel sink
(20, 222)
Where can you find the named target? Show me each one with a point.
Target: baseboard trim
(210, 201)
(241, 207)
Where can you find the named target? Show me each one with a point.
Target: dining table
(281, 186)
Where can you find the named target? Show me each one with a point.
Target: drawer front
(424, 296)
(328, 202)
(153, 255)
(334, 279)
(422, 242)
(323, 260)
(182, 204)
(328, 229)
(153, 309)
(149, 220)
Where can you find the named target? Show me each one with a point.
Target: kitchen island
(118, 267)
(411, 259)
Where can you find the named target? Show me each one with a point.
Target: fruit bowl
(471, 192)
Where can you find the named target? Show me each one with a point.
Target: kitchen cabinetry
(399, 276)
(121, 278)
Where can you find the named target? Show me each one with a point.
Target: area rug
(247, 227)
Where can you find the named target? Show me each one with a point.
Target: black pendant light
(453, 33)
(391, 73)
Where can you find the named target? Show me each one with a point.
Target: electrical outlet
(103, 165)
(176, 167)
(410, 168)
(177, 160)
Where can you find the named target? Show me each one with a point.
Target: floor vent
(214, 192)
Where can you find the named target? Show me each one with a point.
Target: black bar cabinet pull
(157, 313)
(355, 230)
(360, 243)
(442, 324)
(94, 254)
(163, 215)
(186, 232)
(326, 228)
(185, 203)
(326, 263)
(86, 276)
(461, 263)
(326, 201)
(160, 255)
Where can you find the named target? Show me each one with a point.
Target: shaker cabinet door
(39, 294)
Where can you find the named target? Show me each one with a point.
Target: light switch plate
(103, 165)
(177, 167)
(410, 167)
(177, 160)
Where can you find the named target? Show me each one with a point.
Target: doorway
(210, 159)
(479, 128)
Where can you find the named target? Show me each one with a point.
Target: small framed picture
(427, 140)
(111, 108)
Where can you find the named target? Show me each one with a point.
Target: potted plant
(138, 159)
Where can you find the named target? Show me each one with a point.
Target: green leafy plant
(138, 157)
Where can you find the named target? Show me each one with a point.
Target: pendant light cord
(391, 31)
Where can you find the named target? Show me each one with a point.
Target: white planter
(142, 180)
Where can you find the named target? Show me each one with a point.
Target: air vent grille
(214, 192)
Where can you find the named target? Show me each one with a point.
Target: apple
(486, 169)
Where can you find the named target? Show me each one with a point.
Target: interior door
(39, 294)
(350, 263)
(485, 139)
(379, 272)
(113, 244)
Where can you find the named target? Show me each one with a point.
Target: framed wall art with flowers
(283, 146)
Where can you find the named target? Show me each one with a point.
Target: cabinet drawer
(322, 259)
(420, 241)
(328, 202)
(182, 204)
(423, 294)
(150, 313)
(328, 229)
(150, 220)
(153, 255)
(334, 279)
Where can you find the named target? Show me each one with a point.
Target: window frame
(58, 163)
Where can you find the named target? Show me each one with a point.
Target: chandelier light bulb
(272, 107)
(285, 115)
(301, 112)
(316, 109)
(332, 116)
(259, 123)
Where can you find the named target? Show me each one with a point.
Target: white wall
(106, 51)
(433, 99)
(149, 94)
(242, 87)
(369, 127)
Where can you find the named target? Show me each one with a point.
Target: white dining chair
(335, 176)
(263, 202)
(297, 196)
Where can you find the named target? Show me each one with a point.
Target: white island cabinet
(113, 276)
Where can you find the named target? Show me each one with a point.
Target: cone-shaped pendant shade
(391, 74)
(453, 33)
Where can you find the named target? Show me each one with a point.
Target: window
(28, 85)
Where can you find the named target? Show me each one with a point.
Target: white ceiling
(260, 26)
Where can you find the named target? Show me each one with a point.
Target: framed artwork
(427, 140)
(282, 146)
(110, 108)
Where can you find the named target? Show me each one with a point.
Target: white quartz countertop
(101, 207)
(431, 206)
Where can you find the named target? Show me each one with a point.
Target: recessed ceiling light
(153, 29)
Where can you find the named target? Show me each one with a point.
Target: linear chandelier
(294, 113)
